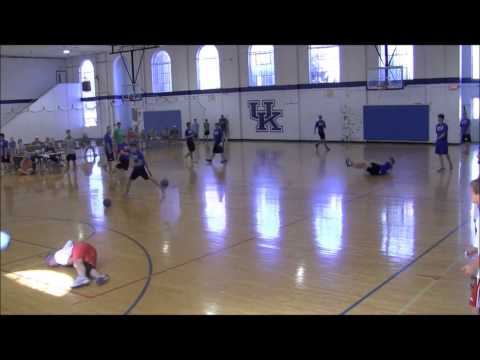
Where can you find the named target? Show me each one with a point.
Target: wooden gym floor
(278, 230)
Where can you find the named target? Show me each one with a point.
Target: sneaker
(102, 279)
(348, 162)
(392, 160)
(80, 281)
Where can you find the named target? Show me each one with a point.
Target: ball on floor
(107, 203)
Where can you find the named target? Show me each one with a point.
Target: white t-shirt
(62, 255)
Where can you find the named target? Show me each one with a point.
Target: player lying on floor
(83, 257)
(372, 168)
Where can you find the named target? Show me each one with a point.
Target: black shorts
(217, 149)
(374, 169)
(466, 138)
(110, 156)
(71, 157)
(191, 146)
(322, 135)
(6, 159)
(123, 164)
(206, 133)
(139, 171)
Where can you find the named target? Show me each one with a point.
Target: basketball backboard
(385, 78)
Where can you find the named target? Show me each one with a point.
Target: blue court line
(378, 287)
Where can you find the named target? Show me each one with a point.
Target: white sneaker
(80, 281)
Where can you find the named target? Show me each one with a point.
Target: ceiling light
(66, 51)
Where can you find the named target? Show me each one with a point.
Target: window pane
(87, 73)
(476, 108)
(324, 63)
(161, 72)
(476, 61)
(208, 68)
(261, 65)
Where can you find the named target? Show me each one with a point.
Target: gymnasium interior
(278, 224)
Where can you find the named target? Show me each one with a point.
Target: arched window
(476, 61)
(208, 68)
(87, 73)
(476, 108)
(161, 72)
(398, 55)
(261, 65)
(324, 63)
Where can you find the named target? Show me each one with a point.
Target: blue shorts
(378, 169)
(441, 148)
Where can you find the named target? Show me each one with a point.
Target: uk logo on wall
(265, 115)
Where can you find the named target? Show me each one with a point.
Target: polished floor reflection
(278, 230)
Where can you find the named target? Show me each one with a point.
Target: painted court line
(405, 267)
(424, 290)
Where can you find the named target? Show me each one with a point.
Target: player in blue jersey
(190, 136)
(465, 137)
(320, 126)
(372, 168)
(218, 141)
(441, 145)
(140, 168)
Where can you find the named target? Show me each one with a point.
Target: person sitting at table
(20, 147)
(18, 155)
(48, 147)
(12, 146)
(26, 166)
(51, 150)
(36, 142)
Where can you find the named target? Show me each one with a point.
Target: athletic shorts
(466, 138)
(110, 156)
(191, 146)
(139, 171)
(206, 133)
(85, 252)
(71, 157)
(6, 159)
(441, 148)
(217, 149)
(377, 169)
(123, 164)
(322, 135)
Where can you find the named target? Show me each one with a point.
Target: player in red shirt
(472, 269)
(83, 257)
